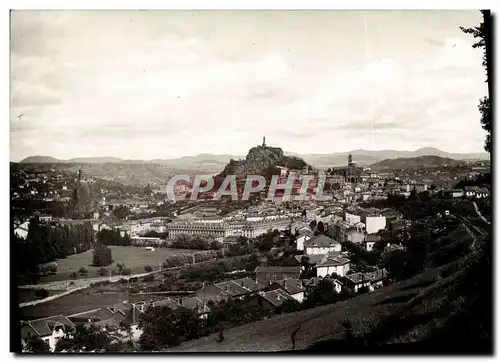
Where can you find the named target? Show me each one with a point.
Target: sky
(167, 84)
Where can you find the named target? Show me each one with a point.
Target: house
(456, 193)
(267, 274)
(197, 305)
(22, 230)
(49, 329)
(237, 289)
(334, 264)
(482, 193)
(304, 235)
(321, 244)
(370, 241)
(274, 298)
(313, 283)
(312, 260)
(357, 281)
(470, 191)
(376, 278)
(102, 316)
(293, 287)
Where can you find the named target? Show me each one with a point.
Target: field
(26, 295)
(83, 301)
(133, 257)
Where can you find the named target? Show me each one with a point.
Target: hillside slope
(425, 308)
(421, 161)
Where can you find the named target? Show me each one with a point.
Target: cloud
(166, 84)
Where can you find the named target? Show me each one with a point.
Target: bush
(127, 271)
(102, 272)
(148, 278)
(148, 268)
(41, 293)
(73, 275)
(102, 255)
(82, 271)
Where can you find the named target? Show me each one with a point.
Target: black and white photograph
(285, 181)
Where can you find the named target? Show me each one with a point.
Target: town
(268, 257)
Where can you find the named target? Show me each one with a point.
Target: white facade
(369, 245)
(352, 219)
(315, 250)
(301, 240)
(299, 297)
(375, 223)
(341, 270)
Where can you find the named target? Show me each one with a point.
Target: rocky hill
(262, 160)
(421, 161)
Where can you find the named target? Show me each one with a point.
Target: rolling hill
(412, 162)
(215, 163)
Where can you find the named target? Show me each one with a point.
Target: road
(479, 213)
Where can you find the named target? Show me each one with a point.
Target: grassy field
(26, 295)
(133, 257)
(84, 300)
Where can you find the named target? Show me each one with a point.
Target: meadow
(134, 257)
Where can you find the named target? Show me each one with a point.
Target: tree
(321, 227)
(42, 293)
(88, 338)
(484, 32)
(82, 271)
(102, 272)
(37, 345)
(102, 255)
(73, 275)
(148, 268)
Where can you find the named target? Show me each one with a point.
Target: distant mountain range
(420, 161)
(210, 162)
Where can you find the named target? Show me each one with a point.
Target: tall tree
(484, 34)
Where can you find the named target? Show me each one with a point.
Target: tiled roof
(233, 288)
(277, 269)
(45, 326)
(376, 276)
(194, 303)
(291, 286)
(334, 260)
(356, 278)
(320, 241)
(372, 238)
(276, 297)
(313, 259)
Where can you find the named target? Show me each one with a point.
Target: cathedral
(350, 173)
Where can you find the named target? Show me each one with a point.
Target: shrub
(82, 271)
(148, 278)
(102, 272)
(127, 271)
(42, 293)
(73, 275)
(148, 268)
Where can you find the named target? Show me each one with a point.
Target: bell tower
(264, 141)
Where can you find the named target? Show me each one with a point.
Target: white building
(22, 230)
(321, 244)
(304, 235)
(49, 329)
(334, 264)
(375, 223)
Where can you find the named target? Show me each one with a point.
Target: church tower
(264, 141)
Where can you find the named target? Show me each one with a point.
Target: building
(49, 329)
(376, 278)
(334, 264)
(293, 287)
(370, 241)
(470, 191)
(321, 244)
(357, 281)
(22, 230)
(304, 236)
(351, 173)
(268, 274)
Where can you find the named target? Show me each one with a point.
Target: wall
(375, 223)
(341, 270)
(352, 219)
(300, 241)
(299, 297)
(311, 250)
